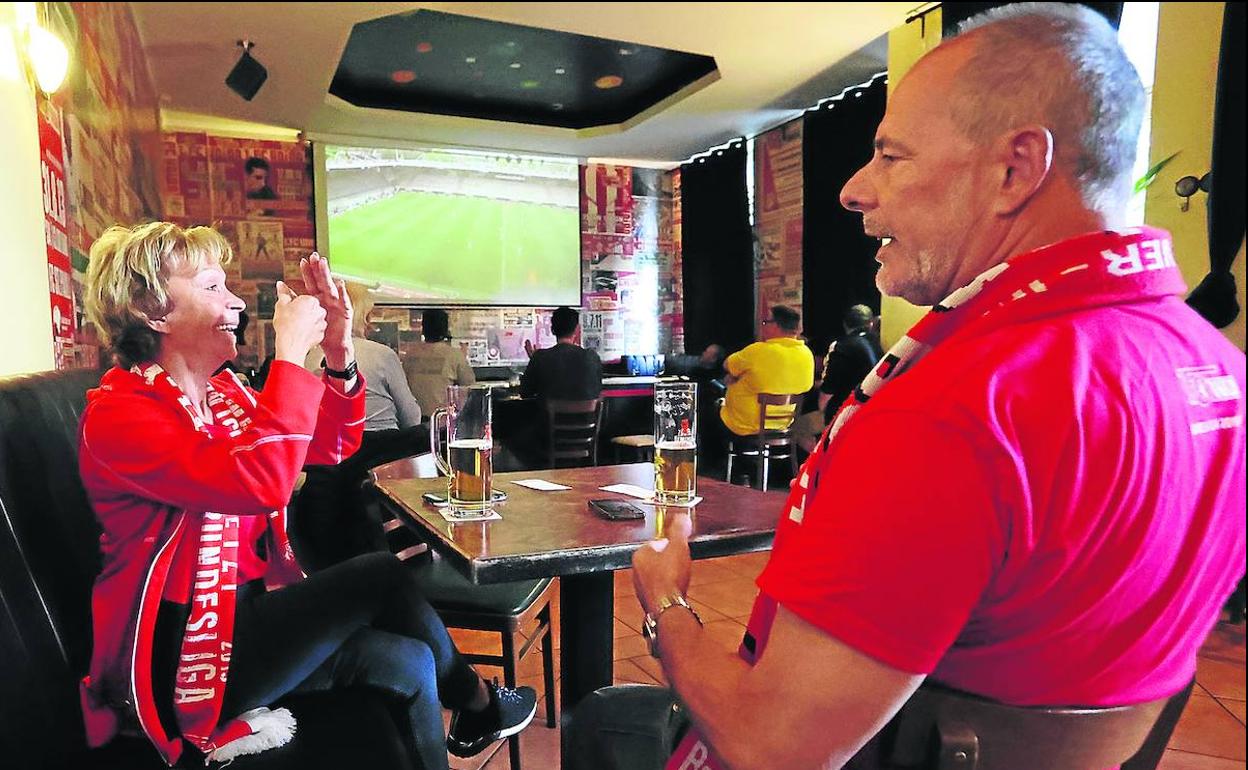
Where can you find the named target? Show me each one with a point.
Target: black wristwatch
(351, 371)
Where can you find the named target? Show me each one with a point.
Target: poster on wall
(56, 232)
(607, 199)
(779, 169)
(262, 249)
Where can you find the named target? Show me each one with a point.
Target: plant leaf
(1150, 176)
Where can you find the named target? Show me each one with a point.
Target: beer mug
(675, 441)
(466, 458)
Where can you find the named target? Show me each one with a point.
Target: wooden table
(554, 534)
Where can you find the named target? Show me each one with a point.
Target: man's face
(257, 179)
(921, 193)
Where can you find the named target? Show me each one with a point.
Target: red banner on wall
(56, 232)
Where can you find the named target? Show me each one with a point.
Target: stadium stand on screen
(455, 227)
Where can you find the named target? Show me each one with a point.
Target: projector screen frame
(321, 210)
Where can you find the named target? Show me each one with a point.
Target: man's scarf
(1088, 271)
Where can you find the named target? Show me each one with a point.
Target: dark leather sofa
(48, 561)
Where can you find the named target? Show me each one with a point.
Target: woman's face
(204, 314)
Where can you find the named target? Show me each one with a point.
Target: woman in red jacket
(202, 617)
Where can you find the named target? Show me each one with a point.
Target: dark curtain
(953, 14)
(717, 252)
(838, 260)
(1215, 298)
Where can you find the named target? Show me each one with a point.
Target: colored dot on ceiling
(530, 84)
(608, 81)
(515, 65)
(402, 76)
(424, 47)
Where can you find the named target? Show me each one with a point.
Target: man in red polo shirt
(1038, 494)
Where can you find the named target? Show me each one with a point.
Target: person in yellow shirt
(780, 363)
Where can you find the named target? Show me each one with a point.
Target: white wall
(26, 341)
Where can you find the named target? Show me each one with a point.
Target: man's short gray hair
(1060, 66)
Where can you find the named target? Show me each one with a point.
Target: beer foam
(680, 443)
(471, 443)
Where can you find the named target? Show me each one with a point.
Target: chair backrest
(572, 431)
(49, 557)
(943, 729)
(417, 467)
(776, 406)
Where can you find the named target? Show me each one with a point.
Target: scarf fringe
(271, 729)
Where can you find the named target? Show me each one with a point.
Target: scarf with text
(204, 659)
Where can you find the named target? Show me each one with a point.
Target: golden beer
(675, 471)
(472, 473)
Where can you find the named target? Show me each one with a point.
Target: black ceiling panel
(442, 63)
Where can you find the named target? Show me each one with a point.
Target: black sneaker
(508, 712)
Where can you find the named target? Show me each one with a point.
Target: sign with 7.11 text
(56, 232)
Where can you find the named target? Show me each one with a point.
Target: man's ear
(1026, 157)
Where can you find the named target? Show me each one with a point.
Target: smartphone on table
(616, 510)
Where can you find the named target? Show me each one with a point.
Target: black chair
(943, 729)
(572, 432)
(768, 443)
(519, 611)
(49, 557)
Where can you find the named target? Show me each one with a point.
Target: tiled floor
(1210, 736)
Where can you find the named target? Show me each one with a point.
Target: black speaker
(247, 76)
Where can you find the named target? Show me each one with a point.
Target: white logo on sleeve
(1205, 385)
(1208, 385)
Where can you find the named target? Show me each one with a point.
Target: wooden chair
(572, 432)
(769, 443)
(503, 608)
(640, 445)
(943, 729)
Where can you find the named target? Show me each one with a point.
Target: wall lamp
(46, 53)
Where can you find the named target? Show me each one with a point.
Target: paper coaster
(490, 515)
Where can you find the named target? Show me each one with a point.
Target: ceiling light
(515, 65)
(560, 71)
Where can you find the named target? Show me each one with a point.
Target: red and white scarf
(1092, 270)
(204, 660)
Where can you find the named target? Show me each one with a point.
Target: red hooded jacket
(151, 470)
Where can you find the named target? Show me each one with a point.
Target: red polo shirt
(1049, 513)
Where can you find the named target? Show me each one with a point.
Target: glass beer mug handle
(439, 451)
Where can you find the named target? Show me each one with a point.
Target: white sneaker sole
(462, 751)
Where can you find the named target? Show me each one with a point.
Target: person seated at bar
(849, 359)
(566, 371)
(780, 363)
(331, 521)
(1037, 498)
(202, 618)
(436, 363)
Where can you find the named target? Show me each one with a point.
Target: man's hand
(331, 293)
(298, 324)
(661, 567)
(528, 348)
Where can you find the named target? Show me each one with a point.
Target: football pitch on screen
(461, 249)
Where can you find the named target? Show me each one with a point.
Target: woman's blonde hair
(361, 305)
(128, 279)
